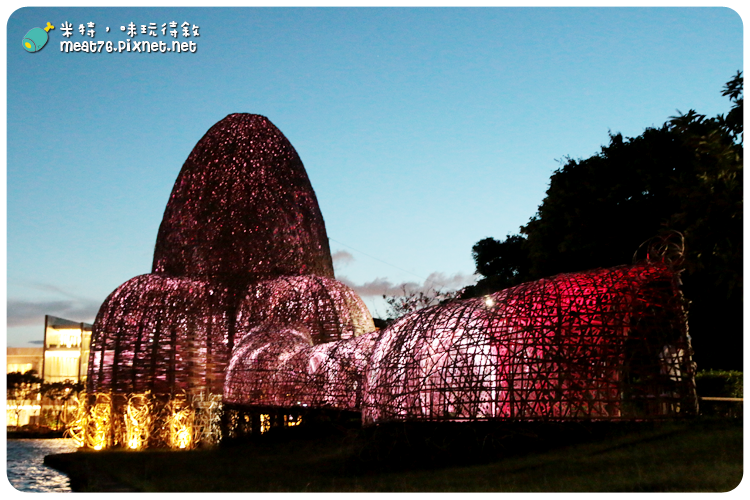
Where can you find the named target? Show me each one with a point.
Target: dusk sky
(422, 130)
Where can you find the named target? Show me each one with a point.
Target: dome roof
(277, 366)
(160, 334)
(326, 308)
(593, 344)
(242, 209)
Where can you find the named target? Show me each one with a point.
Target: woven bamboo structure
(161, 334)
(242, 243)
(325, 308)
(242, 209)
(603, 344)
(242, 303)
(280, 367)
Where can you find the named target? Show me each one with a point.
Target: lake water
(26, 469)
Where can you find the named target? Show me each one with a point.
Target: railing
(721, 406)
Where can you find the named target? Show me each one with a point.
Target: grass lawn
(693, 455)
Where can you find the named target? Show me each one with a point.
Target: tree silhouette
(502, 263)
(413, 300)
(54, 397)
(684, 176)
(22, 390)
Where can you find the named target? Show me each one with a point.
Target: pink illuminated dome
(163, 335)
(241, 214)
(326, 308)
(242, 209)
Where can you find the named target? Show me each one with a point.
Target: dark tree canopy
(503, 263)
(22, 388)
(18, 382)
(684, 176)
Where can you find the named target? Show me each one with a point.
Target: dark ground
(35, 434)
(701, 454)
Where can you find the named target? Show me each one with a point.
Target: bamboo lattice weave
(161, 334)
(242, 213)
(242, 302)
(242, 209)
(601, 344)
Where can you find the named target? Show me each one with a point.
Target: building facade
(63, 357)
(66, 350)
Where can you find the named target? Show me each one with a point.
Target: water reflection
(26, 469)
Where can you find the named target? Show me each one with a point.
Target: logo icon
(36, 38)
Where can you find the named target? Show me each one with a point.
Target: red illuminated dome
(608, 343)
(242, 209)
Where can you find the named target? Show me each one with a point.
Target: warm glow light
(207, 421)
(292, 421)
(183, 437)
(98, 423)
(70, 337)
(488, 301)
(137, 421)
(74, 416)
(180, 424)
(62, 354)
(265, 423)
(21, 367)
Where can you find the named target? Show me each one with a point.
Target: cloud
(46, 287)
(377, 287)
(29, 312)
(341, 258)
(459, 280)
(382, 286)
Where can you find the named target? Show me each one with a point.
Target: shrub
(717, 383)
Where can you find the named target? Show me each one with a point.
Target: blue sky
(422, 130)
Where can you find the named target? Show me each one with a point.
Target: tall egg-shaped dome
(242, 209)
